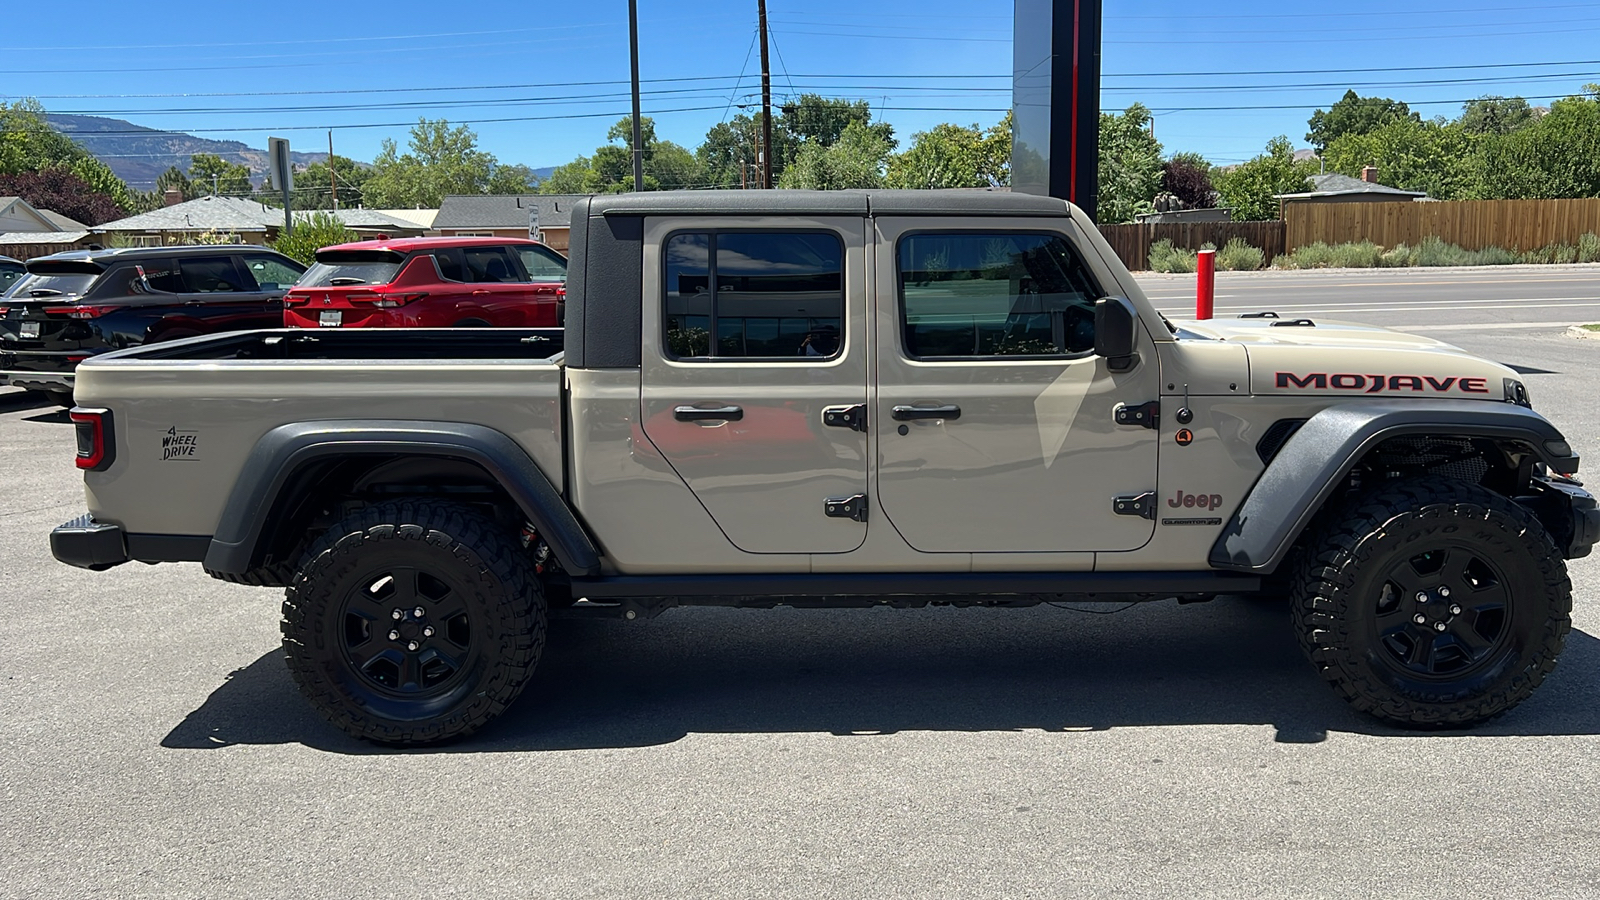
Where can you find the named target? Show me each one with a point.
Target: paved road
(1515, 297)
(153, 744)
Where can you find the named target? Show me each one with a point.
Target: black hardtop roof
(108, 255)
(821, 203)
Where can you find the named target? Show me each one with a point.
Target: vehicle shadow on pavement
(607, 683)
(12, 401)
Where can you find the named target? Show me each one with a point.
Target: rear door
(996, 428)
(218, 294)
(496, 292)
(547, 272)
(755, 375)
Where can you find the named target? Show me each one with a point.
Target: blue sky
(561, 68)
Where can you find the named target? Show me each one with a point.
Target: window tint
(52, 285)
(763, 294)
(209, 275)
(271, 274)
(542, 264)
(449, 260)
(10, 273)
(160, 277)
(994, 294)
(489, 265)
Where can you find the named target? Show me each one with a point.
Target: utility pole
(633, 50)
(333, 180)
(766, 100)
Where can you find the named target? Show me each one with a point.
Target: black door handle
(696, 414)
(907, 413)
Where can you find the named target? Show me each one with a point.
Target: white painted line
(1482, 326)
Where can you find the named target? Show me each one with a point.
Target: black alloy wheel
(1432, 603)
(413, 622)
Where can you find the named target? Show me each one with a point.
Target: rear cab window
(347, 268)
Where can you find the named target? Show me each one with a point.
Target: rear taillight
(388, 301)
(94, 437)
(4, 310)
(296, 299)
(79, 312)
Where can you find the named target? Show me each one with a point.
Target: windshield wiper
(346, 279)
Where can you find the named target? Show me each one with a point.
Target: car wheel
(1433, 603)
(413, 622)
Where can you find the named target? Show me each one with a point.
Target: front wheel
(1433, 603)
(413, 622)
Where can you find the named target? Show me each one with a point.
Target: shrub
(1363, 255)
(1588, 249)
(312, 233)
(1238, 256)
(1494, 256)
(1399, 256)
(1173, 260)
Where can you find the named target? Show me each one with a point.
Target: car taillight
(561, 291)
(80, 312)
(387, 301)
(296, 299)
(4, 310)
(94, 437)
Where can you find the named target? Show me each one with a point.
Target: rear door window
(763, 294)
(210, 275)
(10, 274)
(543, 265)
(489, 265)
(449, 262)
(141, 279)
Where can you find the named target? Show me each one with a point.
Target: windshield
(339, 274)
(51, 286)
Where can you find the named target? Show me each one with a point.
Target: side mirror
(1115, 323)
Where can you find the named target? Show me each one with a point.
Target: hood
(1330, 358)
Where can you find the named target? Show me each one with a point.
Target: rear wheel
(1433, 603)
(416, 622)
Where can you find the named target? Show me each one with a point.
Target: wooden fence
(1132, 242)
(1473, 224)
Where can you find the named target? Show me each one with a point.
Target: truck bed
(218, 396)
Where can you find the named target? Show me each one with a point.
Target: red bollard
(1206, 289)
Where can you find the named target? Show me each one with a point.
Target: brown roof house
(544, 217)
(27, 232)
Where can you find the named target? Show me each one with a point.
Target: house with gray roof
(248, 221)
(1335, 188)
(546, 217)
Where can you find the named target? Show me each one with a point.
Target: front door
(995, 420)
(755, 375)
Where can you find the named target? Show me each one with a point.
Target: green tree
(1556, 156)
(567, 179)
(440, 161)
(174, 179)
(729, 157)
(813, 117)
(29, 144)
(610, 170)
(1495, 115)
(856, 160)
(1251, 188)
(314, 190)
(1130, 165)
(513, 178)
(1412, 156)
(1354, 114)
(311, 233)
(954, 156)
(211, 173)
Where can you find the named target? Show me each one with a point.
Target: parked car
(430, 283)
(11, 272)
(80, 303)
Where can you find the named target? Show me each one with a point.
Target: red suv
(430, 283)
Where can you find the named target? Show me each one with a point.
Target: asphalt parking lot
(154, 744)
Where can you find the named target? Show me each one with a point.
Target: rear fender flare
(1313, 462)
(285, 449)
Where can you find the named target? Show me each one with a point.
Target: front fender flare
(283, 450)
(1316, 459)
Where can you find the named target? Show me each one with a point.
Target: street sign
(281, 168)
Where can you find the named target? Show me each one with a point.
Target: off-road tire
(1377, 551)
(334, 612)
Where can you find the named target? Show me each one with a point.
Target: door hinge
(1147, 415)
(854, 507)
(1141, 505)
(851, 417)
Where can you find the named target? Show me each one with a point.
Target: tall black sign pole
(766, 98)
(1055, 98)
(633, 51)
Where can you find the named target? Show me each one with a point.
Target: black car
(73, 305)
(11, 272)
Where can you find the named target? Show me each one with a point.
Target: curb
(1578, 331)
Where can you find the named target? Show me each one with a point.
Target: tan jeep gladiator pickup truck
(834, 399)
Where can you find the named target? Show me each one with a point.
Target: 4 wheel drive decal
(1373, 384)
